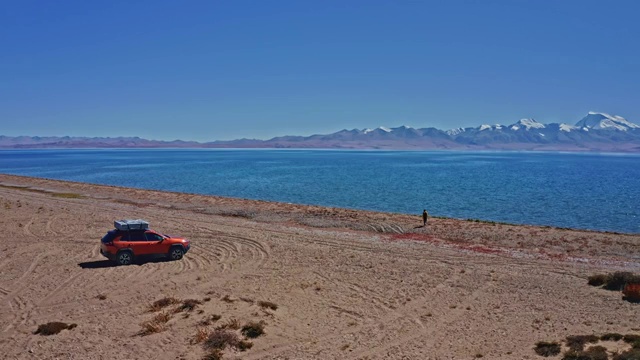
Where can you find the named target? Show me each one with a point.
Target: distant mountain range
(595, 132)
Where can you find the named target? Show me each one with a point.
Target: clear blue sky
(206, 70)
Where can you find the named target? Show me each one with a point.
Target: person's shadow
(419, 227)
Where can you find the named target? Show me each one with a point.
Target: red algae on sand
(414, 237)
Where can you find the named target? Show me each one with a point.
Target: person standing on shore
(425, 216)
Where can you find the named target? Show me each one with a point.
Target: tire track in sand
(234, 245)
(402, 316)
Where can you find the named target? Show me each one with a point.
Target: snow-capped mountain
(595, 132)
(567, 127)
(600, 121)
(526, 124)
(454, 132)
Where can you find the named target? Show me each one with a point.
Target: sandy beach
(327, 283)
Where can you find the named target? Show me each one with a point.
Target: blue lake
(587, 191)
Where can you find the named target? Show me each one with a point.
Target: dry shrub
(244, 345)
(544, 348)
(188, 305)
(598, 280)
(162, 303)
(593, 353)
(253, 329)
(597, 353)
(611, 337)
(102, 297)
(577, 342)
(631, 354)
(631, 338)
(151, 327)
(162, 317)
(220, 339)
(52, 328)
(215, 354)
(268, 305)
(210, 319)
(202, 334)
(230, 324)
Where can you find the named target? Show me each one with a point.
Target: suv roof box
(126, 225)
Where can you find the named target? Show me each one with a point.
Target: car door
(138, 243)
(155, 243)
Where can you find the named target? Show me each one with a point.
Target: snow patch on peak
(454, 132)
(515, 127)
(366, 131)
(567, 127)
(485, 127)
(530, 124)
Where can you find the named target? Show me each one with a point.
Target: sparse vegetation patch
(268, 305)
(631, 354)
(162, 317)
(577, 343)
(215, 354)
(598, 279)
(202, 334)
(544, 348)
(210, 319)
(253, 329)
(67, 195)
(614, 281)
(152, 327)
(230, 324)
(162, 303)
(611, 337)
(593, 353)
(220, 339)
(188, 305)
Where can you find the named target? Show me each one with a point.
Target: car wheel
(176, 253)
(124, 258)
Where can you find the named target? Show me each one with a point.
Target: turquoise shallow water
(587, 191)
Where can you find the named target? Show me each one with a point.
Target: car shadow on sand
(101, 264)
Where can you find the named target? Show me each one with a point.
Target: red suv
(124, 246)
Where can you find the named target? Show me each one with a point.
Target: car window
(109, 236)
(134, 236)
(153, 237)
